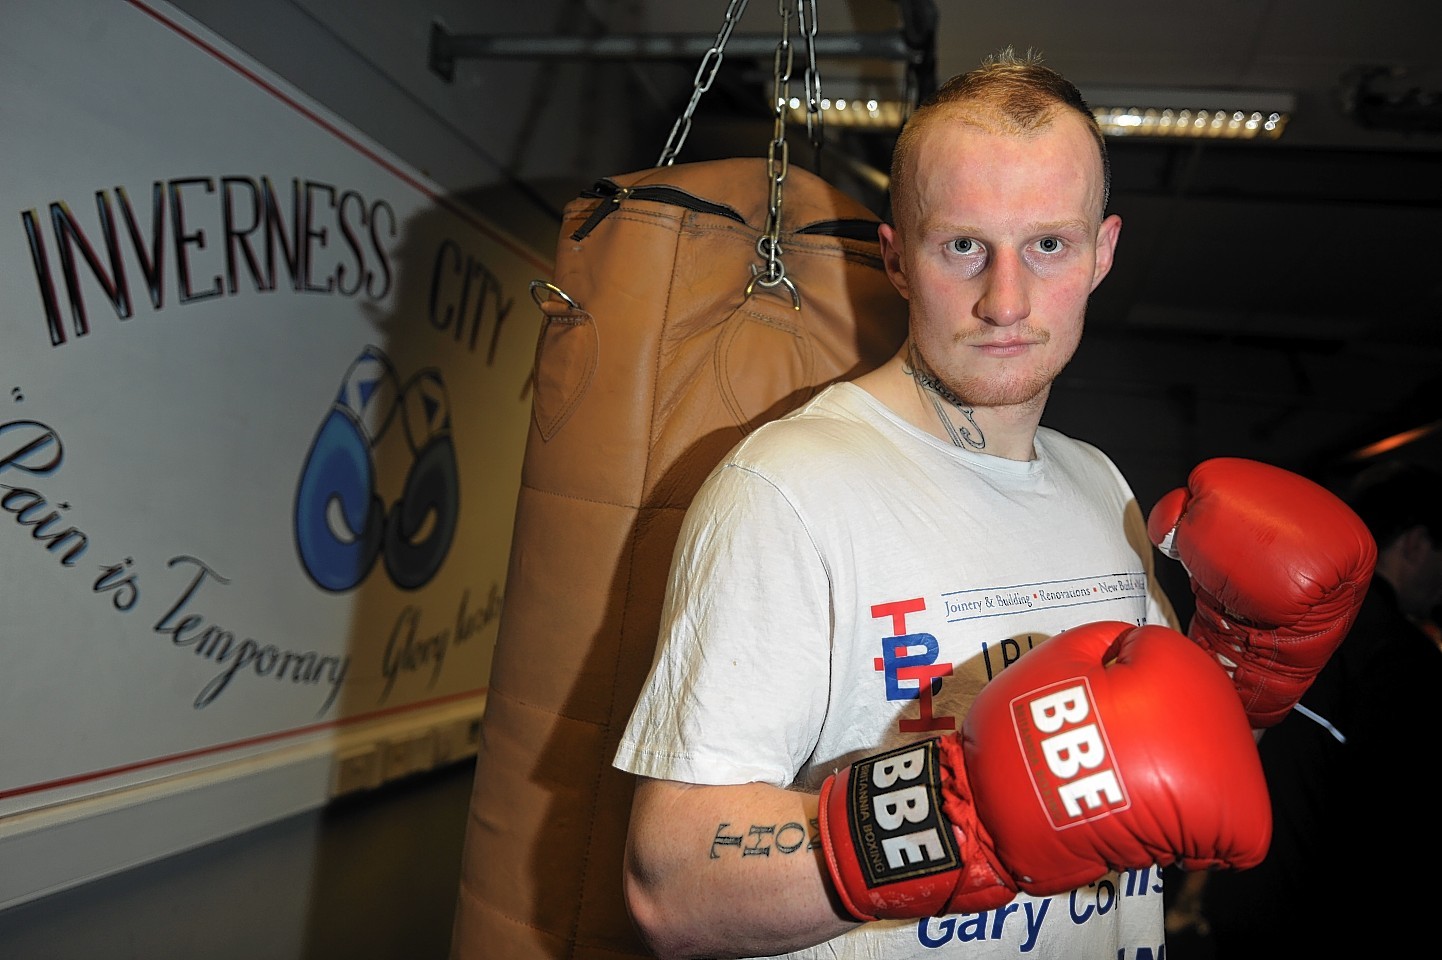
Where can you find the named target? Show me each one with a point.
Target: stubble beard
(1004, 388)
(1001, 391)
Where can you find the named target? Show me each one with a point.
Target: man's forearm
(729, 871)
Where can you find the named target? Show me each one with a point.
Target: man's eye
(964, 245)
(1049, 245)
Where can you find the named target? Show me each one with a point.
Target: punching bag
(659, 351)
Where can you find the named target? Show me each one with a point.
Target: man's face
(997, 252)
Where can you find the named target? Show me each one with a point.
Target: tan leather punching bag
(661, 365)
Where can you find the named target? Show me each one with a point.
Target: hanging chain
(777, 154)
(815, 131)
(705, 74)
(768, 245)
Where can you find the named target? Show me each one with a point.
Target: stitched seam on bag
(583, 385)
(772, 322)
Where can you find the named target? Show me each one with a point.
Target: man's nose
(1005, 299)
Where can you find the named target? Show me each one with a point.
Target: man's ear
(892, 259)
(1107, 235)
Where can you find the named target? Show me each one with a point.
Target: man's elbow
(652, 918)
(646, 913)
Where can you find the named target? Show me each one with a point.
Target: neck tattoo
(935, 391)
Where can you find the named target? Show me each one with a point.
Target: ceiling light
(1388, 444)
(1121, 112)
(1191, 113)
(855, 113)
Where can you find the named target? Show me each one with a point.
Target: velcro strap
(894, 815)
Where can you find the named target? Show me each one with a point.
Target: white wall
(280, 891)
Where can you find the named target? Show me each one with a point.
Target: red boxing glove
(1108, 747)
(1279, 567)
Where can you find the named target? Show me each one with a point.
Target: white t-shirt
(844, 583)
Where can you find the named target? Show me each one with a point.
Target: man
(1346, 763)
(912, 556)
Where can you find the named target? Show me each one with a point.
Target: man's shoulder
(1083, 460)
(835, 421)
(1064, 444)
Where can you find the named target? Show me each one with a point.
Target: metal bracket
(446, 48)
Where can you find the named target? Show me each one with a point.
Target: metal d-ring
(550, 289)
(782, 280)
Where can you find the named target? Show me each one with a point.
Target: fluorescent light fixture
(855, 113)
(1191, 113)
(1187, 113)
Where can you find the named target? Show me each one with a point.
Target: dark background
(1271, 299)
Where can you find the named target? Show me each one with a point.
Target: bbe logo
(895, 816)
(1067, 753)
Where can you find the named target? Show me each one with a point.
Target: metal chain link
(768, 245)
(705, 74)
(815, 129)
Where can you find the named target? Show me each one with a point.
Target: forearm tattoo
(760, 839)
